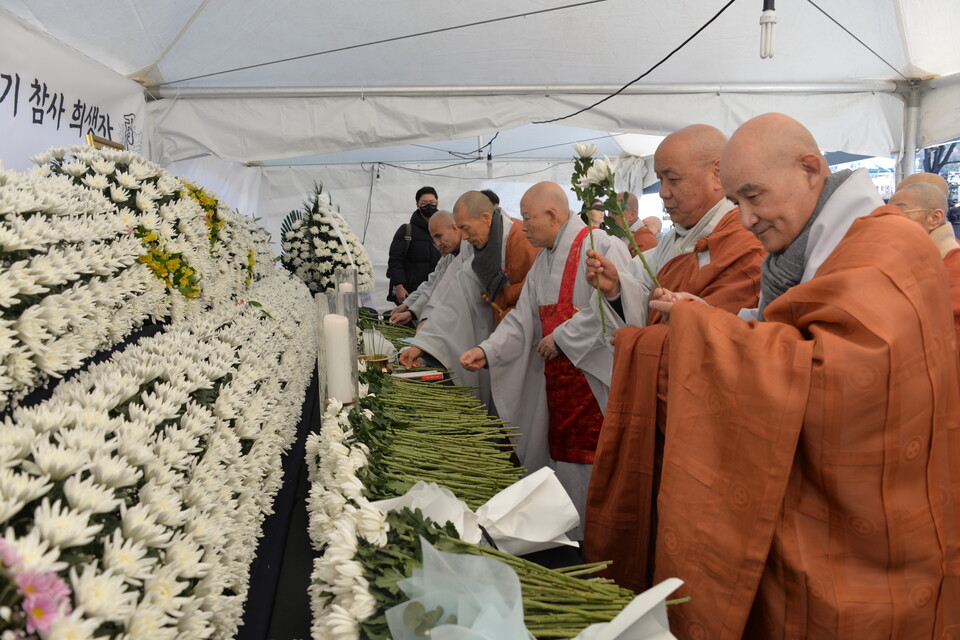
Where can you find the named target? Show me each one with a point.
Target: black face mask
(428, 210)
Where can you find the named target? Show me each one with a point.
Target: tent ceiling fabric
(601, 44)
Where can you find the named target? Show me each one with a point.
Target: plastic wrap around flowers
(317, 241)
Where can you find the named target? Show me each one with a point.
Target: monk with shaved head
(933, 179)
(924, 200)
(810, 486)
(706, 253)
(549, 361)
(645, 237)
(494, 262)
(418, 305)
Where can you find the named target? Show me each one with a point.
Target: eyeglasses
(915, 210)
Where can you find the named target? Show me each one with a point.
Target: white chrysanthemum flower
(103, 595)
(96, 181)
(75, 169)
(148, 621)
(113, 471)
(35, 554)
(9, 507)
(163, 589)
(146, 205)
(126, 180)
(128, 558)
(104, 167)
(150, 191)
(164, 503)
(372, 524)
(342, 623)
(77, 625)
(41, 158)
(364, 604)
(87, 495)
(586, 150)
(598, 173)
(185, 557)
(64, 527)
(138, 523)
(22, 487)
(119, 194)
(57, 462)
(142, 170)
(90, 433)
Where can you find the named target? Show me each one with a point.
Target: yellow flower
(173, 265)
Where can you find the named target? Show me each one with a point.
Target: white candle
(346, 287)
(336, 342)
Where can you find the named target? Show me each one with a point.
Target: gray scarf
(487, 261)
(783, 270)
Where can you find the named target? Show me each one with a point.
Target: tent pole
(911, 132)
(182, 93)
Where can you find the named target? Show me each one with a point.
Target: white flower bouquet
(316, 241)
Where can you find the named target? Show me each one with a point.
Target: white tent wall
(940, 111)
(374, 199)
(868, 123)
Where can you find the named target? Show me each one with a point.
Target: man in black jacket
(413, 255)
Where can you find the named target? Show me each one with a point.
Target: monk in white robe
(447, 238)
(549, 361)
(480, 296)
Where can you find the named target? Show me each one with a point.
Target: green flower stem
(636, 249)
(596, 285)
(580, 612)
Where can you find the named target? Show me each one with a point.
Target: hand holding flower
(602, 273)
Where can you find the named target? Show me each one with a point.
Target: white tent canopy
(359, 76)
(503, 72)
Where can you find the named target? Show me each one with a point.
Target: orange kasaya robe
(644, 239)
(952, 262)
(620, 518)
(520, 255)
(810, 482)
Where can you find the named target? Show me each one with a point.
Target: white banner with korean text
(52, 96)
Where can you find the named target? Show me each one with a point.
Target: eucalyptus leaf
(413, 615)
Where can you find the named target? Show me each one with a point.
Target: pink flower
(42, 611)
(8, 553)
(46, 598)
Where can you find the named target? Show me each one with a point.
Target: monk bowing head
(473, 214)
(922, 202)
(773, 170)
(544, 209)
(687, 163)
(445, 232)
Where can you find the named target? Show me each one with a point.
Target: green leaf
(413, 615)
(618, 231)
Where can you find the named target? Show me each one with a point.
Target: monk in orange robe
(642, 235)
(926, 204)
(708, 253)
(810, 486)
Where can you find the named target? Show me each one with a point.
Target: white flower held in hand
(598, 173)
(585, 150)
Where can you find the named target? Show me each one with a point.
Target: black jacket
(411, 266)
